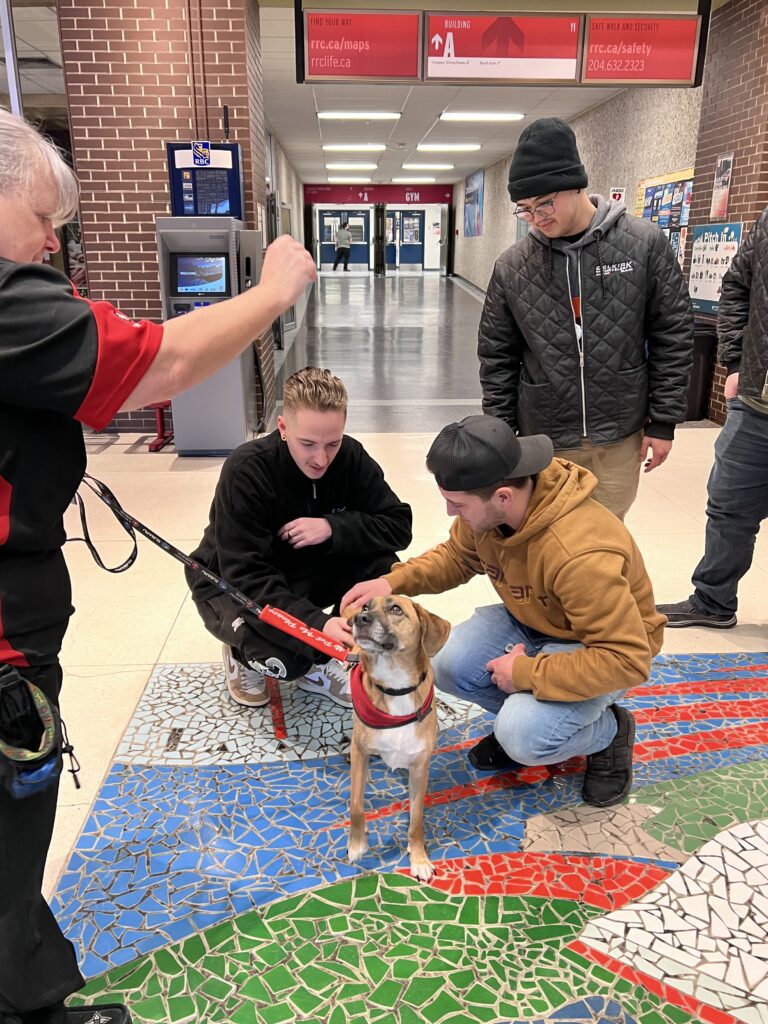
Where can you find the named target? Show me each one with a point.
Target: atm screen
(200, 273)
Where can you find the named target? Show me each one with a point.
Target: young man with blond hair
(297, 518)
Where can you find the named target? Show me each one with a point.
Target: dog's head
(395, 625)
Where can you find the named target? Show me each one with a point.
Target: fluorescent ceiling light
(358, 115)
(479, 115)
(427, 167)
(413, 181)
(351, 167)
(448, 147)
(354, 147)
(349, 181)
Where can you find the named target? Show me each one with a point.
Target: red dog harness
(374, 717)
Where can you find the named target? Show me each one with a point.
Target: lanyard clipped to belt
(265, 613)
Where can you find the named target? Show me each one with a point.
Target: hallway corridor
(201, 870)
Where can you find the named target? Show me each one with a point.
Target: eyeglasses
(546, 207)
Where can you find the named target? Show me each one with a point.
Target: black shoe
(489, 756)
(684, 614)
(608, 778)
(106, 1013)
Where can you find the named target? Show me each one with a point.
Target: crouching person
(576, 626)
(298, 516)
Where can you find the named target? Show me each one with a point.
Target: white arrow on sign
(437, 41)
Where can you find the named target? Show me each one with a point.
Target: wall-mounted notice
(655, 50)
(714, 246)
(721, 187)
(370, 45)
(523, 48)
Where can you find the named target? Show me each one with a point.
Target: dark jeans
(737, 504)
(37, 964)
(342, 254)
(254, 642)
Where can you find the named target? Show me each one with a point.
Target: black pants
(37, 964)
(253, 641)
(342, 254)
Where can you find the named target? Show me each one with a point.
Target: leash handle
(266, 613)
(301, 631)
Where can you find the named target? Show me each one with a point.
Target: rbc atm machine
(203, 260)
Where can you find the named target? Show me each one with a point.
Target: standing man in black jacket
(587, 330)
(737, 491)
(298, 517)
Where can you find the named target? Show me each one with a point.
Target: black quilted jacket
(742, 325)
(632, 368)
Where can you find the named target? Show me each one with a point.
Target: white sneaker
(247, 686)
(331, 680)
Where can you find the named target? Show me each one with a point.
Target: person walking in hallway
(586, 333)
(343, 245)
(298, 516)
(64, 362)
(576, 625)
(737, 490)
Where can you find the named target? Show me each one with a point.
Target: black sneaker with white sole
(608, 778)
(683, 614)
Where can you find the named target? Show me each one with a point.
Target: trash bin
(704, 355)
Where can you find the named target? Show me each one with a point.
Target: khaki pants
(617, 468)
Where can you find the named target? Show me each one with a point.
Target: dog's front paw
(421, 867)
(357, 847)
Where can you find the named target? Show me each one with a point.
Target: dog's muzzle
(368, 627)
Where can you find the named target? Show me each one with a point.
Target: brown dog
(393, 697)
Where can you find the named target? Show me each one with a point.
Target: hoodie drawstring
(598, 236)
(548, 258)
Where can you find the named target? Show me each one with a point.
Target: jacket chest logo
(614, 268)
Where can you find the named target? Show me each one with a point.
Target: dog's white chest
(401, 747)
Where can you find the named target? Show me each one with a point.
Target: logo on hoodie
(604, 269)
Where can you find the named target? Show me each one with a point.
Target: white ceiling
(290, 111)
(39, 54)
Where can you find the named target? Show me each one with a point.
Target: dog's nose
(363, 618)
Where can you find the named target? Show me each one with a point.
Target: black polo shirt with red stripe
(64, 362)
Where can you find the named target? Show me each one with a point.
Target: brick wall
(734, 118)
(139, 74)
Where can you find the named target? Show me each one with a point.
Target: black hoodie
(261, 489)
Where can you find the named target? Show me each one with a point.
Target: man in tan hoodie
(576, 626)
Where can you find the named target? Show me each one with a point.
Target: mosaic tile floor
(210, 882)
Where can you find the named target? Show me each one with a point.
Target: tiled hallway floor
(201, 870)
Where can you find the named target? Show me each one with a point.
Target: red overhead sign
(391, 194)
(523, 48)
(370, 45)
(652, 50)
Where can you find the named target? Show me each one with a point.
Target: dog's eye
(396, 609)
(365, 607)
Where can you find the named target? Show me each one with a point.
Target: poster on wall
(718, 209)
(714, 246)
(666, 201)
(473, 204)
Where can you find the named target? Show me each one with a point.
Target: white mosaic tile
(704, 929)
(186, 717)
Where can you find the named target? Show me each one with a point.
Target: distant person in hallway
(576, 626)
(297, 518)
(587, 330)
(343, 245)
(65, 362)
(737, 490)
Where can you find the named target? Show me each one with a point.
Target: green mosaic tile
(441, 1007)
(245, 1014)
(151, 1009)
(279, 979)
(255, 989)
(193, 949)
(314, 978)
(422, 989)
(386, 994)
(270, 954)
(375, 968)
(305, 1001)
(276, 1014)
(216, 989)
(403, 969)
(181, 1009)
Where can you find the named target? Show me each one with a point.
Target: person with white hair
(65, 362)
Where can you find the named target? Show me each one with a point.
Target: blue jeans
(737, 503)
(531, 731)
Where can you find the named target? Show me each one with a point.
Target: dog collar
(374, 717)
(400, 693)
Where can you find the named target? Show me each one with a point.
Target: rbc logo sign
(201, 154)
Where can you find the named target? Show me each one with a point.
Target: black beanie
(546, 160)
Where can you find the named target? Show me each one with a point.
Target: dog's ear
(434, 630)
